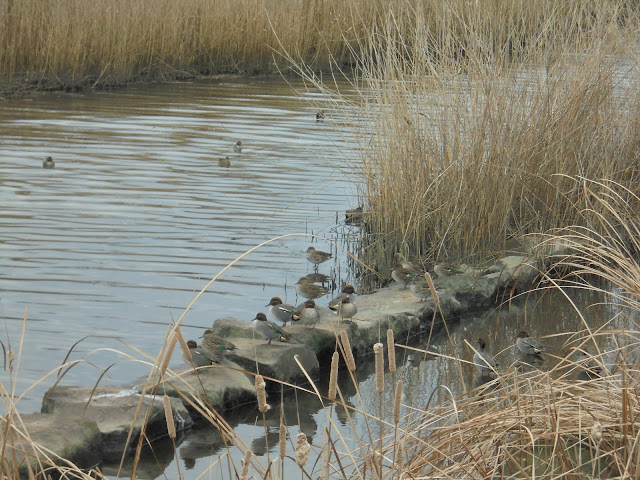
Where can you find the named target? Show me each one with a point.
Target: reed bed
(472, 116)
(110, 42)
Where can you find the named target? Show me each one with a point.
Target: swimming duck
(527, 344)
(237, 147)
(483, 360)
(347, 291)
(282, 312)
(199, 356)
(310, 290)
(48, 163)
(268, 329)
(589, 369)
(309, 314)
(213, 343)
(320, 115)
(224, 162)
(316, 256)
(345, 309)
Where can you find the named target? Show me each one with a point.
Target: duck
(310, 290)
(345, 309)
(282, 312)
(420, 288)
(48, 163)
(199, 356)
(213, 343)
(320, 115)
(445, 270)
(589, 369)
(237, 147)
(483, 360)
(316, 256)
(403, 276)
(309, 315)
(268, 329)
(347, 291)
(224, 162)
(528, 345)
(406, 264)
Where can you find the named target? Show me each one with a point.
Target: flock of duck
(406, 273)
(213, 346)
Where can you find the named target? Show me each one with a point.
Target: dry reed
(477, 112)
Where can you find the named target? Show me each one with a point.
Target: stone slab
(113, 409)
(73, 439)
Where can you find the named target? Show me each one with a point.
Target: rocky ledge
(85, 425)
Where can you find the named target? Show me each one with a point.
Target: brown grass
(472, 116)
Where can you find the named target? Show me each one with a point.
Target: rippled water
(137, 215)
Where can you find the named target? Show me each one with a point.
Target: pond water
(137, 216)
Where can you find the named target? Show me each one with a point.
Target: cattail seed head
(391, 351)
(333, 377)
(262, 394)
(168, 354)
(398, 402)
(346, 345)
(245, 465)
(185, 348)
(302, 450)
(168, 415)
(378, 350)
(432, 287)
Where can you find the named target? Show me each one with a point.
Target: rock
(229, 327)
(72, 439)
(275, 360)
(517, 271)
(471, 292)
(113, 410)
(223, 386)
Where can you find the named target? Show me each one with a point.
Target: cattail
(432, 287)
(185, 348)
(398, 402)
(346, 345)
(391, 349)
(333, 377)
(596, 432)
(262, 394)
(379, 354)
(168, 354)
(302, 450)
(245, 465)
(283, 440)
(168, 415)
